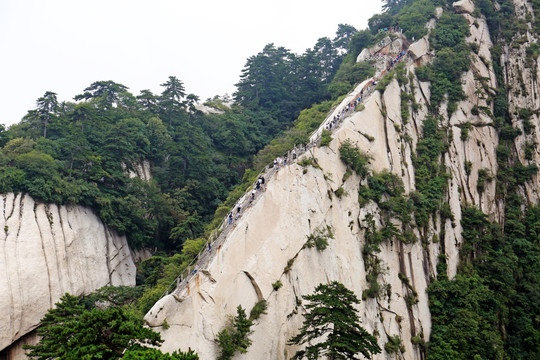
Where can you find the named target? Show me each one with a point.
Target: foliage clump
(73, 331)
(490, 309)
(319, 239)
(430, 175)
(394, 346)
(277, 285)
(309, 161)
(354, 158)
(326, 138)
(448, 40)
(332, 318)
(339, 192)
(155, 354)
(258, 309)
(235, 336)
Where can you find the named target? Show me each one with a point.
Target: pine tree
(235, 337)
(332, 326)
(71, 332)
(53, 329)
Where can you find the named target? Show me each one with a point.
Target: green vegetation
(385, 81)
(491, 309)
(309, 161)
(277, 285)
(326, 137)
(394, 346)
(258, 309)
(350, 73)
(465, 131)
(77, 329)
(484, 175)
(84, 154)
(339, 192)
(157, 273)
(354, 158)
(319, 239)
(373, 239)
(406, 100)
(448, 40)
(468, 167)
(154, 354)
(307, 122)
(410, 15)
(501, 19)
(235, 336)
(289, 265)
(430, 175)
(331, 315)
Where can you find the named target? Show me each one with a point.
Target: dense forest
(83, 152)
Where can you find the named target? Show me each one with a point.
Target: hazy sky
(65, 45)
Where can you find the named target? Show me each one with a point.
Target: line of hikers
(282, 161)
(259, 186)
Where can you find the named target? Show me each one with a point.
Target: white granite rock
(463, 7)
(297, 203)
(48, 250)
(419, 48)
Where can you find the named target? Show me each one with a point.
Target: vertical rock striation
(48, 250)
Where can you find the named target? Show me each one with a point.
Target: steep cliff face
(298, 203)
(275, 230)
(48, 250)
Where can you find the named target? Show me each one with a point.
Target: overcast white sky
(65, 45)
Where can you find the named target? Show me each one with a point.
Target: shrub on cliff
(354, 158)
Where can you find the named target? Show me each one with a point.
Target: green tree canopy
(107, 93)
(155, 354)
(68, 331)
(235, 336)
(332, 322)
(47, 106)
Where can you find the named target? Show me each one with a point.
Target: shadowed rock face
(48, 250)
(298, 204)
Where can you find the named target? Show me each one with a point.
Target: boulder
(419, 48)
(364, 55)
(463, 6)
(395, 46)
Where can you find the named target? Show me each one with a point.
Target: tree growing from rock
(69, 331)
(235, 337)
(331, 326)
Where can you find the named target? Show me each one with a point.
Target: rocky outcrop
(419, 49)
(522, 71)
(463, 7)
(208, 109)
(389, 45)
(140, 169)
(48, 250)
(267, 243)
(275, 230)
